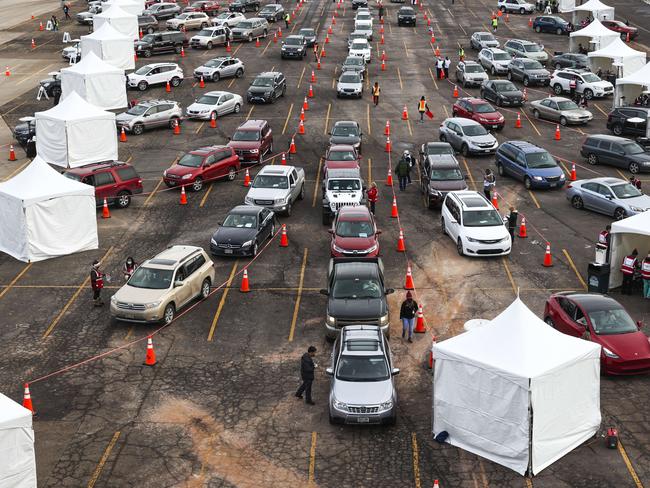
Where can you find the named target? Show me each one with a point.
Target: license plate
(495, 126)
(553, 185)
(363, 420)
(486, 150)
(228, 251)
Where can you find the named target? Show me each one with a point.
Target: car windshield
(532, 65)
(359, 45)
(350, 78)
(246, 135)
(474, 68)
(446, 174)
(341, 156)
(590, 78)
(72, 176)
(205, 32)
(505, 87)
(474, 130)
(147, 38)
(244, 24)
(137, 110)
(540, 160)
(356, 228)
(483, 108)
(362, 368)
(293, 41)
(612, 321)
(240, 221)
(344, 185)
(481, 218)
(345, 130)
(406, 11)
(439, 149)
(486, 37)
(271, 181)
(501, 57)
(208, 99)
(143, 70)
(354, 62)
(151, 278)
(263, 82)
(223, 16)
(213, 63)
(532, 48)
(307, 32)
(633, 148)
(626, 190)
(191, 160)
(567, 105)
(357, 288)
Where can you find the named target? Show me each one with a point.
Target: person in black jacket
(512, 222)
(307, 368)
(407, 315)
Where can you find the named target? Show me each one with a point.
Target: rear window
(127, 173)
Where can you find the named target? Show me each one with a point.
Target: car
(480, 111)
(440, 172)
(220, 67)
(272, 12)
(480, 40)
(244, 6)
(474, 225)
(188, 21)
(364, 27)
(587, 83)
(631, 121)
(610, 196)
(626, 31)
(341, 156)
(406, 16)
(494, 60)
(356, 294)
(341, 188)
(147, 23)
(529, 71)
(551, 23)
(467, 136)
(277, 187)
(356, 4)
(502, 92)
(160, 42)
(349, 84)
(363, 16)
(602, 320)
(360, 48)
(267, 87)
(293, 46)
(51, 85)
(470, 73)
(202, 165)
(210, 7)
(163, 10)
(243, 230)
(346, 132)
(214, 104)
(529, 163)
(354, 35)
(86, 18)
(250, 29)
(354, 64)
(362, 384)
(228, 19)
(560, 109)
(616, 151)
(252, 140)
(570, 60)
(354, 232)
(72, 54)
(309, 35)
(519, 6)
(210, 36)
(149, 114)
(26, 130)
(526, 49)
(155, 74)
(116, 182)
(163, 285)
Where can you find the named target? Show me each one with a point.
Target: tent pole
(530, 429)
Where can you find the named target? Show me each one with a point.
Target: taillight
(569, 185)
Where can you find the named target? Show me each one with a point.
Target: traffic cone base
(150, 359)
(106, 214)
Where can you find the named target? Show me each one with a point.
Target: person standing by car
(97, 283)
(287, 17)
(407, 313)
(447, 63)
(489, 182)
(402, 171)
(316, 51)
(422, 108)
(461, 54)
(513, 216)
(307, 367)
(375, 93)
(645, 275)
(629, 265)
(373, 196)
(381, 12)
(439, 68)
(603, 240)
(636, 182)
(129, 267)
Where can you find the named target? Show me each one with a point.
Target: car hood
(124, 117)
(341, 165)
(487, 233)
(490, 116)
(359, 51)
(547, 172)
(344, 140)
(511, 94)
(240, 30)
(204, 69)
(353, 68)
(476, 76)
(626, 345)
(538, 72)
(356, 308)
(85, 15)
(175, 21)
(266, 193)
(363, 393)
(602, 84)
(259, 89)
(344, 85)
(482, 139)
(494, 43)
(642, 201)
(180, 170)
(130, 294)
(200, 106)
(233, 235)
(140, 44)
(244, 144)
(448, 185)
(22, 128)
(539, 55)
(354, 243)
(503, 63)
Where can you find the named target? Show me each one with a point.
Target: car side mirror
(453, 221)
(395, 371)
(639, 324)
(378, 232)
(178, 283)
(323, 291)
(329, 372)
(330, 231)
(389, 291)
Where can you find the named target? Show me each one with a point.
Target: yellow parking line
(369, 173)
(446, 111)
(575, 270)
(222, 302)
(531, 123)
(266, 47)
(406, 49)
(399, 76)
(512, 281)
(129, 333)
(469, 174)
(630, 468)
(102, 461)
(600, 109)
(327, 118)
(433, 78)
(13, 282)
(205, 197)
(299, 294)
(368, 118)
(408, 124)
(622, 174)
(153, 192)
(231, 82)
(198, 129)
(17, 170)
(333, 82)
(528, 481)
(301, 75)
(416, 460)
(248, 116)
(313, 200)
(129, 160)
(286, 122)
(14, 108)
(312, 459)
(390, 28)
(237, 49)
(532, 195)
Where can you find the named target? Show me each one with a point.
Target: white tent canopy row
(626, 235)
(594, 9)
(631, 86)
(120, 20)
(109, 45)
(17, 455)
(617, 53)
(593, 37)
(134, 7)
(96, 81)
(517, 391)
(43, 215)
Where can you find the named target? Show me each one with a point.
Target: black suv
(294, 47)
(440, 172)
(618, 121)
(161, 42)
(267, 87)
(147, 23)
(356, 295)
(615, 151)
(245, 6)
(406, 16)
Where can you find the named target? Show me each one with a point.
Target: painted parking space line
(222, 302)
(296, 307)
(301, 76)
(155, 190)
(312, 460)
(286, 122)
(205, 196)
(13, 282)
(575, 270)
(399, 77)
(510, 278)
(368, 118)
(313, 200)
(469, 174)
(628, 464)
(369, 171)
(528, 482)
(100, 465)
(248, 115)
(534, 198)
(416, 460)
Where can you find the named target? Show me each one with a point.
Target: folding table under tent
(626, 235)
(121, 21)
(43, 215)
(593, 37)
(594, 9)
(96, 81)
(109, 45)
(75, 133)
(631, 86)
(17, 456)
(131, 6)
(517, 391)
(617, 52)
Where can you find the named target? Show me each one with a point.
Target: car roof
(555, 99)
(494, 50)
(170, 257)
(471, 200)
(202, 151)
(252, 125)
(469, 62)
(523, 41)
(462, 121)
(444, 161)
(608, 137)
(341, 147)
(354, 212)
(607, 180)
(474, 100)
(276, 169)
(216, 93)
(526, 147)
(295, 36)
(482, 33)
(164, 63)
(308, 29)
(268, 73)
(246, 210)
(89, 168)
(347, 123)
(591, 302)
(357, 269)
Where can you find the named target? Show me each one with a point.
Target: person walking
(307, 367)
(287, 17)
(495, 24)
(445, 66)
(316, 51)
(97, 283)
(629, 265)
(375, 93)
(422, 108)
(129, 267)
(461, 53)
(489, 182)
(66, 11)
(381, 12)
(373, 196)
(513, 216)
(402, 171)
(645, 275)
(439, 68)
(407, 313)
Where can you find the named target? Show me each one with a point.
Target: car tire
(428, 201)
(250, 37)
(538, 29)
(589, 94)
(147, 53)
(464, 150)
(527, 183)
(509, 75)
(577, 203)
(443, 138)
(232, 173)
(214, 115)
(333, 420)
(501, 170)
(592, 159)
(493, 71)
(265, 33)
(392, 420)
(619, 213)
(174, 121)
(536, 113)
(169, 314)
(209, 45)
(634, 168)
(216, 76)
(255, 249)
(284, 90)
(459, 247)
(237, 108)
(197, 185)
(143, 85)
(526, 81)
(617, 129)
(559, 32)
(549, 322)
(239, 73)
(443, 227)
(287, 212)
(137, 129)
(522, 11)
(557, 89)
(205, 289)
(563, 121)
(503, 9)
(123, 199)
(498, 101)
(454, 113)
(175, 81)
(301, 195)
(272, 233)
(204, 25)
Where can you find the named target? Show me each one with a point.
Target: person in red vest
(373, 196)
(645, 274)
(604, 238)
(629, 265)
(97, 283)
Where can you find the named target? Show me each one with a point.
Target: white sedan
(215, 102)
(229, 19)
(361, 49)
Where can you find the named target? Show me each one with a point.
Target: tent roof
(92, 64)
(616, 49)
(114, 12)
(639, 77)
(38, 182)
(518, 343)
(74, 107)
(106, 33)
(637, 224)
(13, 415)
(593, 6)
(595, 29)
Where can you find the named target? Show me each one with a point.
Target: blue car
(551, 23)
(529, 163)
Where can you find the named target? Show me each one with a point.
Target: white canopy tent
(17, 456)
(517, 391)
(96, 81)
(594, 9)
(565, 6)
(43, 215)
(75, 133)
(134, 7)
(110, 46)
(631, 86)
(626, 235)
(121, 21)
(618, 52)
(593, 37)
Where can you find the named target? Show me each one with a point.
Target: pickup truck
(341, 187)
(277, 188)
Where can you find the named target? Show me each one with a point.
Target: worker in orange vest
(629, 265)
(422, 108)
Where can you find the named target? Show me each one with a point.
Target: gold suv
(163, 285)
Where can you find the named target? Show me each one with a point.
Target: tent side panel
(107, 91)
(622, 245)
(52, 141)
(13, 233)
(92, 141)
(483, 412)
(566, 410)
(119, 53)
(17, 458)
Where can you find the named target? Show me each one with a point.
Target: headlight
(248, 200)
(538, 178)
(562, 176)
(280, 200)
(435, 192)
(247, 244)
(139, 48)
(610, 354)
(383, 320)
(165, 173)
(212, 241)
(152, 304)
(637, 209)
(267, 94)
(253, 151)
(337, 248)
(471, 239)
(371, 249)
(331, 321)
(113, 299)
(386, 405)
(187, 176)
(339, 405)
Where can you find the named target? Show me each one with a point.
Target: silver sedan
(560, 109)
(610, 196)
(214, 103)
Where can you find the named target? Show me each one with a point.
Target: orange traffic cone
(530, 21)
(122, 135)
(228, 48)
(572, 177)
(522, 229)
(327, 38)
(329, 29)
(557, 132)
(389, 178)
(257, 42)
(419, 323)
(405, 114)
(106, 214)
(283, 161)
(201, 83)
(431, 358)
(548, 260)
(381, 29)
(301, 128)
(401, 247)
(383, 65)
(12, 153)
(393, 211)
(213, 121)
(244, 288)
(275, 38)
(177, 127)
(310, 93)
(313, 76)
(387, 129)
(322, 53)
(381, 40)
(436, 484)
(318, 64)
(284, 239)
(455, 90)
(150, 359)
(40, 26)
(33, 44)
(292, 147)
(388, 146)
(437, 51)
(27, 399)
(168, 88)
(182, 52)
(383, 56)
(183, 200)
(495, 200)
(518, 122)
(279, 31)
(442, 75)
(7, 71)
(302, 114)
(247, 178)
(433, 39)
(333, 20)
(408, 283)
(305, 104)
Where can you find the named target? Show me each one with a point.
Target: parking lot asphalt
(218, 408)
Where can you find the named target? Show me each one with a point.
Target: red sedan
(354, 233)
(601, 319)
(622, 28)
(480, 111)
(210, 7)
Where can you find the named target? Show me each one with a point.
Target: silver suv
(362, 387)
(220, 67)
(250, 29)
(494, 60)
(149, 114)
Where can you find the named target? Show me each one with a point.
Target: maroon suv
(252, 140)
(621, 28)
(201, 165)
(210, 7)
(114, 181)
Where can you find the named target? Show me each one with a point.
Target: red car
(341, 156)
(601, 319)
(149, 3)
(252, 140)
(210, 7)
(202, 165)
(354, 233)
(116, 182)
(480, 111)
(618, 26)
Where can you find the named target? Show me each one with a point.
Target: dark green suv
(160, 42)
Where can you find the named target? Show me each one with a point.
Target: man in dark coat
(307, 368)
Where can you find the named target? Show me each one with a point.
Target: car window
(210, 160)
(612, 321)
(127, 173)
(604, 191)
(151, 278)
(605, 145)
(590, 186)
(579, 317)
(105, 178)
(567, 305)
